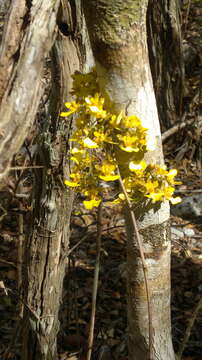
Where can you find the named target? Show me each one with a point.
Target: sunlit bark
(118, 36)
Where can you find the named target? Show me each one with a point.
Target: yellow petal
(122, 196)
(175, 200)
(68, 105)
(172, 173)
(109, 177)
(87, 100)
(155, 196)
(76, 151)
(71, 183)
(73, 158)
(65, 114)
(137, 166)
(116, 201)
(94, 108)
(129, 149)
(90, 144)
(89, 204)
(119, 117)
(133, 166)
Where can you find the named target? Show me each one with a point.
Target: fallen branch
(90, 234)
(175, 129)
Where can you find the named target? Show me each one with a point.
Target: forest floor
(110, 336)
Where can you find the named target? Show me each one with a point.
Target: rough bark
(27, 39)
(118, 35)
(47, 245)
(166, 59)
(4, 7)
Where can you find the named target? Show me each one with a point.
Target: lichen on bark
(112, 20)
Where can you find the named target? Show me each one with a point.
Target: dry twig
(189, 329)
(95, 282)
(175, 129)
(14, 168)
(20, 255)
(187, 16)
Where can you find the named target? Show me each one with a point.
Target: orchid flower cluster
(104, 142)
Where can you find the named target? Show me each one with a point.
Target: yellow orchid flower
(96, 128)
(115, 120)
(72, 106)
(95, 105)
(119, 199)
(168, 192)
(75, 180)
(101, 137)
(129, 143)
(171, 175)
(107, 171)
(151, 186)
(131, 121)
(78, 155)
(155, 196)
(89, 204)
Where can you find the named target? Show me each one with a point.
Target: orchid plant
(105, 142)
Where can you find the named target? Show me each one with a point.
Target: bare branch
(95, 282)
(175, 129)
(189, 329)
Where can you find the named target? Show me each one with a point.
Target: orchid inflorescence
(104, 142)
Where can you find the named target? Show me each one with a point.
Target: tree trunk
(118, 36)
(166, 59)
(47, 245)
(26, 41)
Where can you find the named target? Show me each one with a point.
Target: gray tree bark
(26, 41)
(45, 255)
(46, 247)
(28, 36)
(118, 36)
(166, 59)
